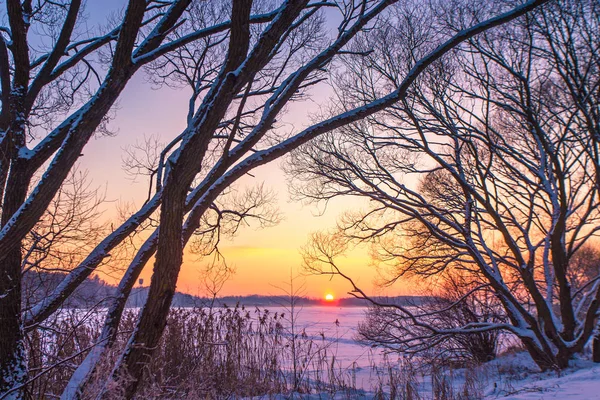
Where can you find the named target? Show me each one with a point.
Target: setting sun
(328, 297)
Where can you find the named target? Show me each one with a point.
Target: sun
(328, 297)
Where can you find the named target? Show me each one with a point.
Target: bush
(439, 333)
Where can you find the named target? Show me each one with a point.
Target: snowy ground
(511, 376)
(580, 382)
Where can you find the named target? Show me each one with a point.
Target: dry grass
(234, 352)
(204, 353)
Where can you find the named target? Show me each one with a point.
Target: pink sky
(262, 257)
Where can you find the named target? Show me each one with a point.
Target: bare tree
(242, 72)
(506, 129)
(71, 222)
(231, 164)
(58, 84)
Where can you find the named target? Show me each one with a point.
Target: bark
(85, 121)
(184, 167)
(153, 319)
(543, 359)
(19, 215)
(13, 369)
(560, 263)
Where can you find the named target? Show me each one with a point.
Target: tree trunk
(81, 377)
(153, 319)
(13, 367)
(596, 348)
(545, 360)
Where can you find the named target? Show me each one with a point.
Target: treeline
(270, 301)
(95, 292)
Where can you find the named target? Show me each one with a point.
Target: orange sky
(262, 258)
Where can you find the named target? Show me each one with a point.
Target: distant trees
(244, 62)
(489, 166)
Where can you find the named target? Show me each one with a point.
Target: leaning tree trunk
(596, 348)
(81, 378)
(153, 318)
(185, 165)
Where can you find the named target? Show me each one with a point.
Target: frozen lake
(329, 327)
(336, 328)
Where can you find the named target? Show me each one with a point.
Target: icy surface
(511, 376)
(336, 328)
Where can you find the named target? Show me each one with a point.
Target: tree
(244, 65)
(491, 164)
(53, 100)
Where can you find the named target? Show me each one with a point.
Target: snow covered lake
(335, 328)
(338, 326)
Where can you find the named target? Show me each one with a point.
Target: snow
(584, 384)
(580, 381)
(335, 327)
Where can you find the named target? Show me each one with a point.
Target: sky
(264, 259)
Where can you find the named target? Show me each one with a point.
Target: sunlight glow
(328, 297)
